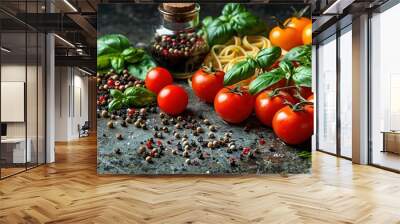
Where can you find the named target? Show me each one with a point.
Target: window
(385, 89)
(22, 77)
(345, 42)
(327, 95)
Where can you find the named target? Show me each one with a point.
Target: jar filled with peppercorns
(177, 46)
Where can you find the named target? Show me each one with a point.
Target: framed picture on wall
(189, 88)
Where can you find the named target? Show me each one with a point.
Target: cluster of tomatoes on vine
(284, 108)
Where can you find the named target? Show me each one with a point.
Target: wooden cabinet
(391, 141)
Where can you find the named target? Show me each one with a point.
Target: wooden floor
(70, 191)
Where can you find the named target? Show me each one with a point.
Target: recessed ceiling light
(5, 50)
(84, 71)
(70, 5)
(338, 6)
(64, 40)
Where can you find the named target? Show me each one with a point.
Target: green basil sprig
(240, 71)
(301, 76)
(300, 54)
(112, 44)
(115, 52)
(245, 69)
(235, 20)
(219, 32)
(131, 97)
(267, 56)
(266, 80)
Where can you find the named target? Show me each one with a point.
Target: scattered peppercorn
(148, 159)
(110, 124)
(119, 136)
(117, 151)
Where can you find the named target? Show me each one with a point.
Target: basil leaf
(246, 23)
(132, 55)
(112, 44)
(266, 80)
(219, 32)
(286, 67)
(116, 94)
(234, 20)
(140, 69)
(301, 54)
(138, 97)
(231, 9)
(115, 51)
(267, 56)
(115, 104)
(117, 63)
(240, 71)
(128, 101)
(103, 62)
(207, 20)
(204, 24)
(303, 76)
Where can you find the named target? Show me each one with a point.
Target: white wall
(71, 102)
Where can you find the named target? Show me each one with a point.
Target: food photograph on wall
(204, 89)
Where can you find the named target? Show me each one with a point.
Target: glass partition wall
(22, 95)
(346, 95)
(326, 85)
(334, 94)
(385, 89)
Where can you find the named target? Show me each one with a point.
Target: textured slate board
(281, 159)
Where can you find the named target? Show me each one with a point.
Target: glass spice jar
(176, 45)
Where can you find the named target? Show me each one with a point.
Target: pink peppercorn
(246, 150)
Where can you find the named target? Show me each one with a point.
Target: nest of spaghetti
(224, 56)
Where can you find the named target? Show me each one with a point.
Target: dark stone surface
(121, 157)
(280, 159)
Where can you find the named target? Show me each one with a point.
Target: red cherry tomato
(293, 127)
(266, 106)
(206, 83)
(310, 108)
(157, 78)
(172, 99)
(234, 105)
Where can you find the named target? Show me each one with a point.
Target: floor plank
(70, 191)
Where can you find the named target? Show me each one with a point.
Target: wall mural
(211, 89)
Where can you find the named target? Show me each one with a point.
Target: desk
(15, 148)
(391, 141)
